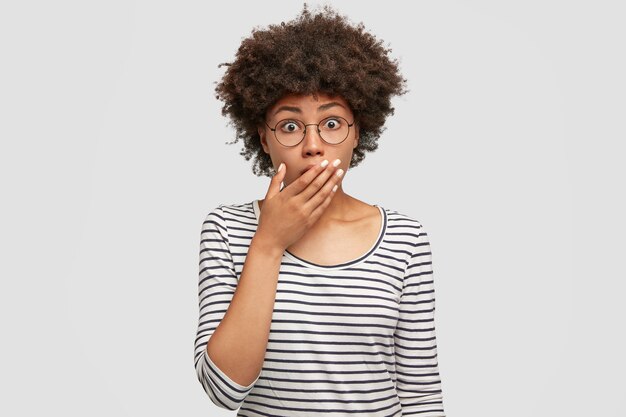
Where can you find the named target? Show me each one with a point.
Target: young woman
(313, 302)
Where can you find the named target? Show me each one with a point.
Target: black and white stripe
(345, 340)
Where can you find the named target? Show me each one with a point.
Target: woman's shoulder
(232, 211)
(404, 222)
(225, 217)
(402, 217)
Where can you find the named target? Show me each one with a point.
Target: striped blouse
(353, 339)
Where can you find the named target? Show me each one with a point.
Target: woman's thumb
(277, 179)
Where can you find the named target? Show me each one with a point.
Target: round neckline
(343, 265)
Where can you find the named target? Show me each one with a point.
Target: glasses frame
(319, 132)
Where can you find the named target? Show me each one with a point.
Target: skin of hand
(288, 213)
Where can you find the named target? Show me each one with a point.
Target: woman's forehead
(295, 101)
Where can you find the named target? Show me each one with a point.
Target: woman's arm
(235, 315)
(239, 342)
(417, 370)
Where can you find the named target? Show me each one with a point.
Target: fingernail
(337, 162)
(324, 163)
(279, 168)
(340, 173)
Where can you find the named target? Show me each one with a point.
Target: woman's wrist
(266, 244)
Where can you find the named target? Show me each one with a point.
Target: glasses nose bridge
(317, 126)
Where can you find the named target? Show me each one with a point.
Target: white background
(508, 148)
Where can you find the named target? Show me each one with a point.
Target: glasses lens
(289, 132)
(333, 130)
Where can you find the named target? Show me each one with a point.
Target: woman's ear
(261, 132)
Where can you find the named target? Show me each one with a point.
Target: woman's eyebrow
(297, 109)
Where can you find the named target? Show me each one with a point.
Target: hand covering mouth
(306, 169)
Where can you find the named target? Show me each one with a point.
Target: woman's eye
(332, 123)
(289, 126)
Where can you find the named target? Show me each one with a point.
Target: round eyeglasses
(290, 132)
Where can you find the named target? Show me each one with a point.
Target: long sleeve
(418, 383)
(216, 286)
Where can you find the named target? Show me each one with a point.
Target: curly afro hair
(313, 53)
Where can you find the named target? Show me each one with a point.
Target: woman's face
(312, 150)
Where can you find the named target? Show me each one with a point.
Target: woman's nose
(312, 141)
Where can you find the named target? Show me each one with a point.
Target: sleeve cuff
(224, 381)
